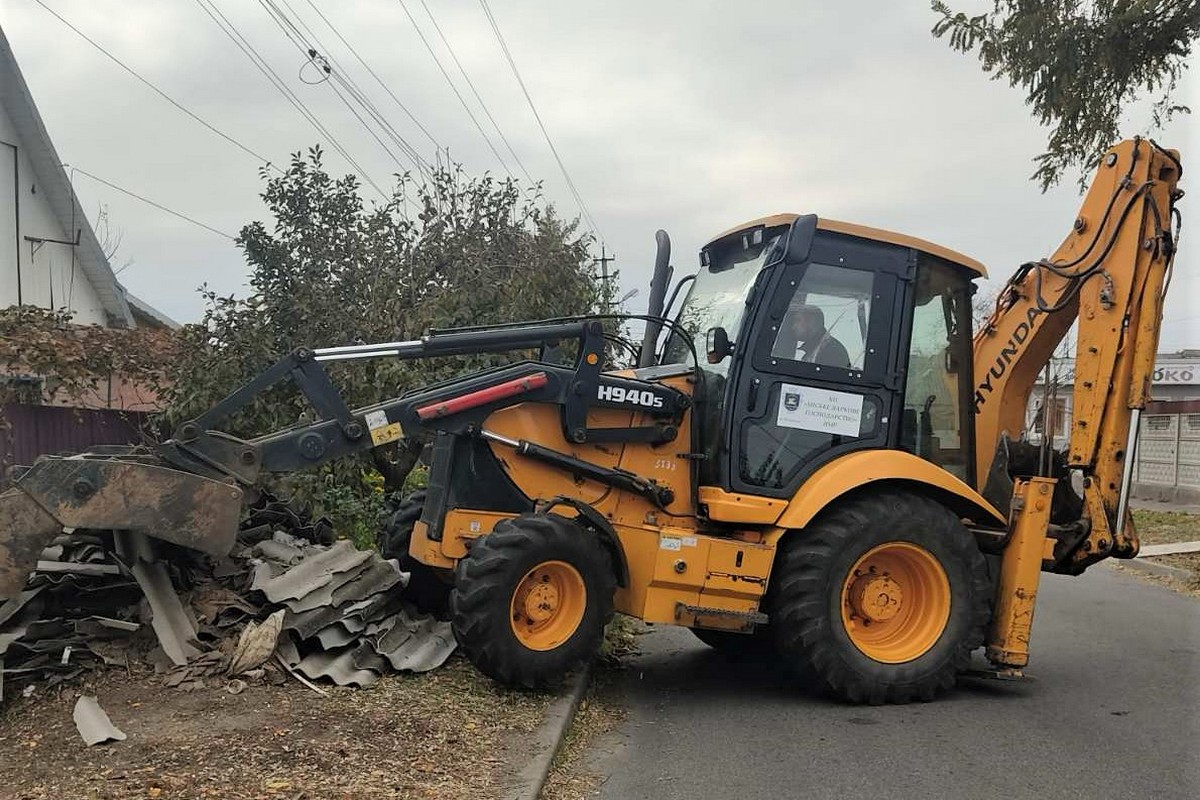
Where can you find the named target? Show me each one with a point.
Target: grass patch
(1169, 527)
(1166, 527)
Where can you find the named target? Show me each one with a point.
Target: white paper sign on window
(811, 409)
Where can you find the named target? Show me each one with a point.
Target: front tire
(883, 599)
(531, 599)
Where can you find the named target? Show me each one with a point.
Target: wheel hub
(895, 602)
(548, 604)
(542, 601)
(876, 598)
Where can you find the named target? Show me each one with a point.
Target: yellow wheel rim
(896, 602)
(547, 605)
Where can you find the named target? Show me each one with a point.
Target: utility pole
(603, 262)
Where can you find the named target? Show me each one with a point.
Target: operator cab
(816, 338)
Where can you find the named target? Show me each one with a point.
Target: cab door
(817, 373)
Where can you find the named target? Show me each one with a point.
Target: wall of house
(50, 275)
(113, 392)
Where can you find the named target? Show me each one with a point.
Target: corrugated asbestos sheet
(315, 571)
(352, 625)
(340, 612)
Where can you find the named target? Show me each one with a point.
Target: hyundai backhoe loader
(814, 456)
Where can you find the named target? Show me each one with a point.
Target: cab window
(827, 319)
(935, 424)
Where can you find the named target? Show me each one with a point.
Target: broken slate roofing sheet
(415, 644)
(94, 725)
(379, 576)
(314, 572)
(176, 632)
(341, 667)
(324, 595)
(342, 613)
(172, 623)
(357, 626)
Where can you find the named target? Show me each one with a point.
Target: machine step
(755, 617)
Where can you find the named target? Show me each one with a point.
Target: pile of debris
(288, 598)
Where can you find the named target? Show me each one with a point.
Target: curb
(1161, 570)
(548, 739)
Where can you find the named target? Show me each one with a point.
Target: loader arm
(188, 490)
(1110, 275)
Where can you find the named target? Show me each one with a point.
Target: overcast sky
(689, 116)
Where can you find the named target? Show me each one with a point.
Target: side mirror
(717, 345)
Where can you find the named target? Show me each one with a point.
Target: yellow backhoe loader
(813, 456)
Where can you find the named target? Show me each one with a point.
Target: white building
(1176, 378)
(1168, 451)
(49, 255)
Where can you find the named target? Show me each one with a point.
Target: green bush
(331, 270)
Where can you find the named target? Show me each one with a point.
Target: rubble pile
(287, 598)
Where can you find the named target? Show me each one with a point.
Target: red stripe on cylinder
(483, 396)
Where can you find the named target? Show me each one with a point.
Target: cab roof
(864, 232)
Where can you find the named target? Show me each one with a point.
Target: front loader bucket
(104, 493)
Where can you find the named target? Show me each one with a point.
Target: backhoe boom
(1109, 275)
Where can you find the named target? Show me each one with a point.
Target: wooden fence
(32, 431)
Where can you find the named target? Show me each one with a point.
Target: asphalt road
(1114, 713)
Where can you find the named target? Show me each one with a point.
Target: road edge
(1161, 570)
(548, 739)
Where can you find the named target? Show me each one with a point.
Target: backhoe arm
(1110, 275)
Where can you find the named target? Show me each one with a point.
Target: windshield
(717, 298)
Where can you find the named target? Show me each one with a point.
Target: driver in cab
(804, 337)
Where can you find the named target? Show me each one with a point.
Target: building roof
(53, 182)
(146, 315)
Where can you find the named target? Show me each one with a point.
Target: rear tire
(426, 588)
(882, 599)
(531, 599)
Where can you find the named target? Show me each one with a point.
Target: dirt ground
(447, 734)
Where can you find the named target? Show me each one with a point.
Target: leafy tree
(330, 270)
(71, 362)
(1081, 63)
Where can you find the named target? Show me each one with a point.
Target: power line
(517, 74)
(147, 201)
(474, 91)
(314, 56)
(378, 80)
(231, 31)
(454, 88)
(157, 90)
(322, 59)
